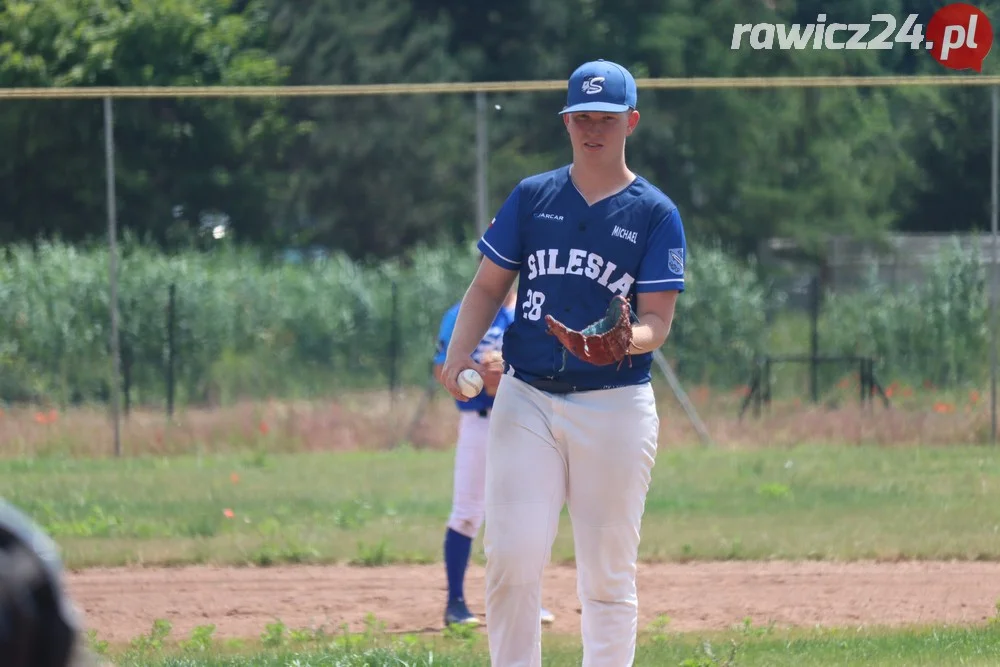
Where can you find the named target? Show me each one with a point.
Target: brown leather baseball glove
(603, 342)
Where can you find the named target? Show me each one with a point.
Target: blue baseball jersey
(493, 340)
(572, 258)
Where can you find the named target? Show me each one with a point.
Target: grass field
(809, 502)
(271, 485)
(748, 646)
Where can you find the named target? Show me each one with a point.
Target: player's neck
(597, 181)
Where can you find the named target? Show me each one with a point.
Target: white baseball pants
(593, 451)
(469, 486)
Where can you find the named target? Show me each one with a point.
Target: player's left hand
(492, 362)
(603, 342)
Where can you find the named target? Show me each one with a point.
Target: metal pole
(109, 157)
(682, 397)
(171, 343)
(482, 196)
(993, 272)
(394, 352)
(814, 338)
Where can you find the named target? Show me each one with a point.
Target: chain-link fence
(828, 322)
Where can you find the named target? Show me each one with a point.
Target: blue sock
(457, 548)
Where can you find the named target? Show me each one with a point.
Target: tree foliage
(374, 175)
(178, 159)
(377, 174)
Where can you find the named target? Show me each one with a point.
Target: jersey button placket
(571, 240)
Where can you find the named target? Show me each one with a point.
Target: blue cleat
(457, 613)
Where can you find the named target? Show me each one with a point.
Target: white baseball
(470, 383)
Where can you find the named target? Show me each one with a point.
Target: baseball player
(598, 253)
(470, 459)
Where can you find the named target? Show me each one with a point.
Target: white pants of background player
(593, 451)
(467, 505)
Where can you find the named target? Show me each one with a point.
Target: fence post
(814, 338)
(109, 161)
(994, 213)
(767, 382)
(126, 379)
(171, 315)
(394, 343)
(758, 402)
(752, 389)
(482, 153)
(864, 381)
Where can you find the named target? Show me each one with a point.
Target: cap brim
(596, 106)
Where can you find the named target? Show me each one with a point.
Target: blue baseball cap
(600, 85)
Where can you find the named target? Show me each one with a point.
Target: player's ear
(565, 118)
(633, 120)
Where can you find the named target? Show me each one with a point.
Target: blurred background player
(469, 491)
(39, 625)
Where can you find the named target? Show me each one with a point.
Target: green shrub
(246, 325)
(935, 330)
(721, 319)
(243, 325)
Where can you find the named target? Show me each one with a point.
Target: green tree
(374, 175)
(177, 158)
(950, 140)
(748, 164)
(744, 165)
(377, 174)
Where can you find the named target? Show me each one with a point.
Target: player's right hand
(450, 371)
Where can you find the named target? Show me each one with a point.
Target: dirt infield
(122, 603)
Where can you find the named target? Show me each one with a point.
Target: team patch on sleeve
(675, 260)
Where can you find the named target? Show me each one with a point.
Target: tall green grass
(935, 331)
(243, 325)
(658, 646)
(246, 325)
(250, 326)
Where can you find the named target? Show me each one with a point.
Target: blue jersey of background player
(491, 342)
(572, 258)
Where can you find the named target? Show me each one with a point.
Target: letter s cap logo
(593, 85)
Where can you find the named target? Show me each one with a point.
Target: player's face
(600, 134)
